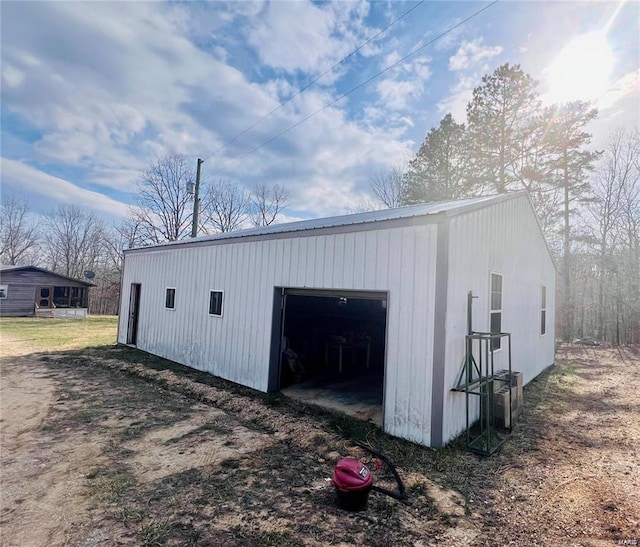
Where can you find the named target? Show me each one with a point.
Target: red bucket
(353, 481)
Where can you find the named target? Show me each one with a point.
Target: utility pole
(196, 201)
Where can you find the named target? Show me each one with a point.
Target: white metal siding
(503, 238)
(237, 346)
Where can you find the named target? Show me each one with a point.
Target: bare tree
(105, 296)
(163, 208)
(629, 228)
(388, 187)
(18, 235)
(225, 207)
(610, 283)
(125, 235)
(267, 203)
(571, 163)
(364, 206)
(73, 240)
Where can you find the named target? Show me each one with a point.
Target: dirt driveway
(108, 446)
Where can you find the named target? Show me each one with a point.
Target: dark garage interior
(333, 350)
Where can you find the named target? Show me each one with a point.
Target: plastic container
(353, 481)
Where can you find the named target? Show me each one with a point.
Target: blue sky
(92, 92)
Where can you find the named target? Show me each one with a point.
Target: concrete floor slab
(358, 397)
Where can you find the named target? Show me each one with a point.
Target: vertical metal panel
(328, 260)
(392, 421)
(359, 261)
(424, 304)
(370, 259)
(348, 264)
(338, 258)
(237, 346)
(299, 266)
(286, 263)
(439, 333)
(406, 312)
(502, 238)
(382, 258)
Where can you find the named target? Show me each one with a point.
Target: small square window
(170, 299)
(215, 303)
(4, 291)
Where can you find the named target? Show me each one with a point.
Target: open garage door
(332, 349)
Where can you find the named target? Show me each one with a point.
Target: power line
(362, 84)
(302, 90)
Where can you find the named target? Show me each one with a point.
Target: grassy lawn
(154, 453)
(56, 334)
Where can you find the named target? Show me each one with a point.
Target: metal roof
(448, 208)
(4, 268)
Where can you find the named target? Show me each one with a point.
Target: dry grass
(183, 458)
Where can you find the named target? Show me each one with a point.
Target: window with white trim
(215, 303)
(4, 291)
(170, 299)
(543, 309)
(495, 315)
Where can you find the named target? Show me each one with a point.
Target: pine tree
(499, 120)
(438, 172)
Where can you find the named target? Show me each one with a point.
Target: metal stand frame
(477, 379)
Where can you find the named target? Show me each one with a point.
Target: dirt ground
(110, 446)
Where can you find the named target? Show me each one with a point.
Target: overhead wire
(314, 81)
(362, 84)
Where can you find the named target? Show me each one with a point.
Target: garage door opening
(332, 350)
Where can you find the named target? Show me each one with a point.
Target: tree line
(71, 240)
(587, 201)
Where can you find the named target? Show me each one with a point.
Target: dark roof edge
(306, 232)
(18, 268)
(367, 225)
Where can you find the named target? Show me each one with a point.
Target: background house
(28, 291)
(368, 308)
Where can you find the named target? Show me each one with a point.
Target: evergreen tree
(499, 121)
(438, 171)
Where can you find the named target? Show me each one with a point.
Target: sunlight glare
(581, 70)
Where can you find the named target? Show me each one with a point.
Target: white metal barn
(376, 299)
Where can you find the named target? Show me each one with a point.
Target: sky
(94, 92)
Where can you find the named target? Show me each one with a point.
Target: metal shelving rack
(477, 379)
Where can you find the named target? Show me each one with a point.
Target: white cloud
(117, 91)
(11, 76)
(470, 54)
(302, 36)
(469, 65)
(626, 86)
(108, 94)
(451, 39)
(404, 83)
(120, 178)
(456, 104)
(390, 58)
(618, 108)
(397, 94)
(25, 178)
